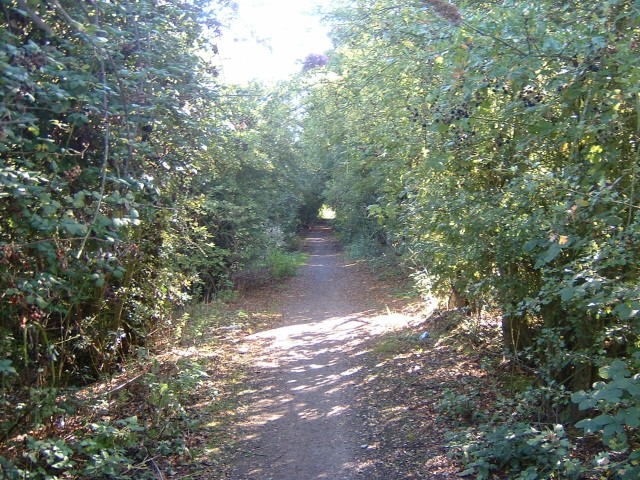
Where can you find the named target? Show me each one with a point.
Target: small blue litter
(424, 336)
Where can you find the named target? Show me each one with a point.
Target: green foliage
(283, 264)
(131, 183)
(480, 162)
(117, 447)
(47, 456)
(363, 248)
(493, 146)
(616, 399)
(105, 452)
(529, 453)
(106, 448)
(459, 407)
(87, 164)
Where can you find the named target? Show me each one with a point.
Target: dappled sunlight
(318, 258)
(315, 359)
(337, 410)
(360, 325)
(351, 371)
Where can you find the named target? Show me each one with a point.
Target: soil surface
(306, 414)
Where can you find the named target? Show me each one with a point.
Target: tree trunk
(516, 333)
(456, 299)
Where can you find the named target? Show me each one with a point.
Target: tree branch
(35, 18)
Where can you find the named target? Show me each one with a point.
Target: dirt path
(300, 420)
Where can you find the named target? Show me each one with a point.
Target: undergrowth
(524, 432)
(154, 418)
(285, 264)
(274, 265)
(511, 422)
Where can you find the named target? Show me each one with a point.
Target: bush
(457, 407)
(525, 451)
(363, 248)
(617, 401)
(283, 264)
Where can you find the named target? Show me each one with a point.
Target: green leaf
(588, 425)
(604, 419)
(630, 417)
(79, 200)
(587, 404)
(6, 367)
(567, 293)
(78, 119)
(548, 256)
(118, 272)
(578, 397)
(61, 107)
(627, 310)
(613, 220)
(73, 228)
(41, 302)
(612, 429)
(467, 472)
(540, 127)
(608, 394)
(617, 369)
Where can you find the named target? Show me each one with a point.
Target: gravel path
(299, 416)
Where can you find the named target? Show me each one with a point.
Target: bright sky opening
(269, 39)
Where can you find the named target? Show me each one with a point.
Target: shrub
(283, 264)
(525, 451)
(617, 401)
